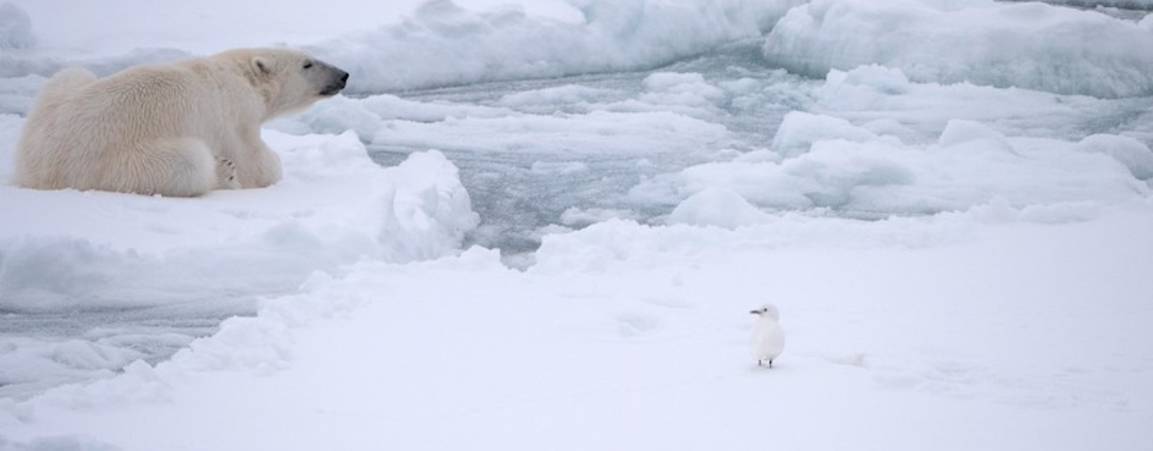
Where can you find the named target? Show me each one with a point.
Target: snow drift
(444, 44)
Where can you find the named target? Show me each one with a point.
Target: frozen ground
(552, 239)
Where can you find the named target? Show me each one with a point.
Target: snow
(481, 258)
(616, 331)
(1030, 45)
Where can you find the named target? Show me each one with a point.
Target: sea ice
(1029, 45)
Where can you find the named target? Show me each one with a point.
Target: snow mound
(1030, 45)
(444, 44)
(15, 28)
(969, 165)
(93, 250)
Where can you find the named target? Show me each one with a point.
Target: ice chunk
(15, 28)
(799, 130)
(959, 131)
(1130, 152)
(717, 207)
(970, 165)
(1030, 45)
(575, 216)
(885, 80)
(921, 111)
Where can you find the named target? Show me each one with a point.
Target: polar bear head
(289, 80)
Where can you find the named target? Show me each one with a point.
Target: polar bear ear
(261, 66)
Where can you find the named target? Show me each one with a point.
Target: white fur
(768, 337)
(179, 129)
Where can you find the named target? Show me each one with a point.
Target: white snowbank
(1030, 45)
(640, 333)
(971, 164)
(90, 250)
(444, 44)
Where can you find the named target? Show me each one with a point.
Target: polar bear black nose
(344, 77)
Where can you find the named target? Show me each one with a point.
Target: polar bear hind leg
(182, 167)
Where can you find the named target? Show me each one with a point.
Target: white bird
(768, 337)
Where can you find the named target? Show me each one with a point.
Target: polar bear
(180, 129)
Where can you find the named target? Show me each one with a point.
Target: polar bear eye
(308, 65)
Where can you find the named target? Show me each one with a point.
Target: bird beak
(754, 312)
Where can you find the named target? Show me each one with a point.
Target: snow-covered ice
(640, 335)
(1028, 45)
(540, 225)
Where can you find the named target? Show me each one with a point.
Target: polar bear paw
(226, 173)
